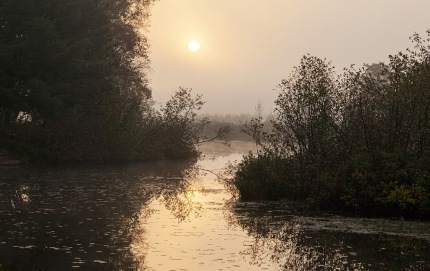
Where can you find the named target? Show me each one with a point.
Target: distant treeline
(235, 122)
(359, 141)
(73, 85)
(229, 118)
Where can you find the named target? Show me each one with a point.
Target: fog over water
(249, 46)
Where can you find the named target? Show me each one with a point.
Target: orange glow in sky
(250, 45)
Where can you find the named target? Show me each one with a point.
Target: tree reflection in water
(292, 243)
(177, 195)
(180, 197)
(97, 218)
(290, 237)
(89, 213)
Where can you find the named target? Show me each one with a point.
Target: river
(178, 216)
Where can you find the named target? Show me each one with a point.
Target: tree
(77, 68)
(181, 126)
(359, 141)
(304, 112)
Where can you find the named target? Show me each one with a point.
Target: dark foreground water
(169, 216)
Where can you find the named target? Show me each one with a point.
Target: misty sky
(249, 46)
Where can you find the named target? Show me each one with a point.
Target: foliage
(73, 85)
(260, 177)
(176, 129)
(358, 141)
(70, 66)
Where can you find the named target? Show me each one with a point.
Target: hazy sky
(249, 46)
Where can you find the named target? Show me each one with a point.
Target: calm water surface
(177, 216)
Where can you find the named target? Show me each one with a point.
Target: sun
(194, 46)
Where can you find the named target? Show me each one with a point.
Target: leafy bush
(261, 177)
(359, 141)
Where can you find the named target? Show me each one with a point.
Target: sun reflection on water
(193, 194)
(188, 230)
(198, 226)
(176, 215)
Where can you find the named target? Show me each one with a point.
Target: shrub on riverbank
(360, 141)
(172, 132)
